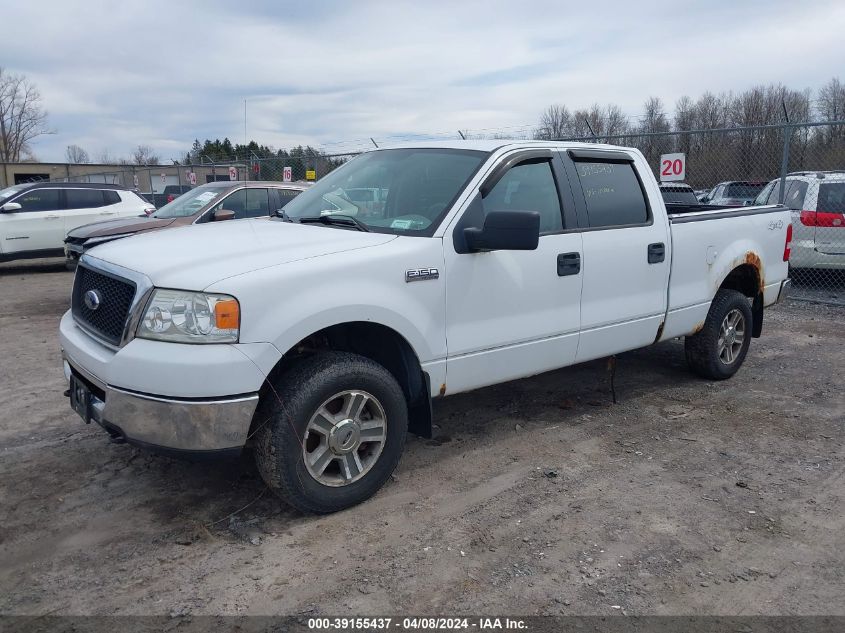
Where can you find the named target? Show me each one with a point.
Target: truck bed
(707, 244)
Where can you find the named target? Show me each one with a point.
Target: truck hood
(194, 257)
(119, 226)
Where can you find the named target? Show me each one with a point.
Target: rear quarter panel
(705, 252)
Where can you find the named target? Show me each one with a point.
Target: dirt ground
(537, 497)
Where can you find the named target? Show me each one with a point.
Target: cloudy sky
(332, 74)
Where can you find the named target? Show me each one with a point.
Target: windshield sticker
(205, 196)
(401, 224)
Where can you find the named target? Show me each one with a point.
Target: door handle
(52, 217)
(656, 253)
(568, 264)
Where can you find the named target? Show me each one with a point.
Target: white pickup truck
(320, 337)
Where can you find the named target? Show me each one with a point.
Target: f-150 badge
(421, 274)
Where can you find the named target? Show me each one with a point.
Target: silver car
(817, 202)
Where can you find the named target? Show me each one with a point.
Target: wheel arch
(747, 278)
(381, 344)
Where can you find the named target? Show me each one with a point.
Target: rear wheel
(719, 349)
(333, 432)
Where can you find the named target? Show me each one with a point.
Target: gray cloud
(162, 73)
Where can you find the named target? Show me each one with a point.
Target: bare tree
(22, 118)
(143, 155)
(77, 155)
(555, 122)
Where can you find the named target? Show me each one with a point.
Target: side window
(39, 200)
(613, 194)
(84, 198)
(286, 195)
(770, 195)
(111, 197)
(528, 187)
(794, 196)
(234, 202)
(257, 203)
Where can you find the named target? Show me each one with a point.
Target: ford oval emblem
(92, 299)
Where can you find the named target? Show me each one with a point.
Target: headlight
(183, 316)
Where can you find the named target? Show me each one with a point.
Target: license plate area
(80, 399)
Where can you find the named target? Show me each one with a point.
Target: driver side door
(515, 313)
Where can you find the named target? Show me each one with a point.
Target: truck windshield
(189, 203)
(401, 191)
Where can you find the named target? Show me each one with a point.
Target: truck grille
(107, 313)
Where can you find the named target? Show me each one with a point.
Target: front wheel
(331, 432)
(719, 349)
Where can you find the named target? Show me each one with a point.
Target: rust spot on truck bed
(698, 327)
(443, 389)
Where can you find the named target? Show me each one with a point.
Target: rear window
(743, 190)
(678, 195)
(832, 197)
(613, 194)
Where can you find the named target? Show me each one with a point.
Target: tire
(334, 383)
(706, 355)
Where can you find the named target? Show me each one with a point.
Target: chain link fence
(800, 165)
(161, 183)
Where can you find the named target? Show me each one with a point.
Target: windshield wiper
(336, 219)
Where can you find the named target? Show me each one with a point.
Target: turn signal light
(227, 314)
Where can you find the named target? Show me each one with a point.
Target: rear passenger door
(625, 260)
(84, 206)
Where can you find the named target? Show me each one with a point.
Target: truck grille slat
(115, 296)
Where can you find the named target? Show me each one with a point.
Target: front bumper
(196, 398)
(172, 424)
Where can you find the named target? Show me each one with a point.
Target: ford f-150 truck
(320, 337)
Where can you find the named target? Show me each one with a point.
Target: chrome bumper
(220, 424)
(785, 287)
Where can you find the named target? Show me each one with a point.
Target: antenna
(462, 135)
(374, 143)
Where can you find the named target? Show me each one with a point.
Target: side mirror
(505, 231)
(11, 207)
(223, 214)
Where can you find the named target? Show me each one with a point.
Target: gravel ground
(536, 497)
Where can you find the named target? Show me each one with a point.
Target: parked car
(678, 193)
(734, 193)
(169, 194)
(816, 200)
(207, 203)
(35, 217)
(321, 337)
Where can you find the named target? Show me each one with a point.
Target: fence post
(784, 166)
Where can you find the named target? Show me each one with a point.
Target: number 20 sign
(673, 167)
